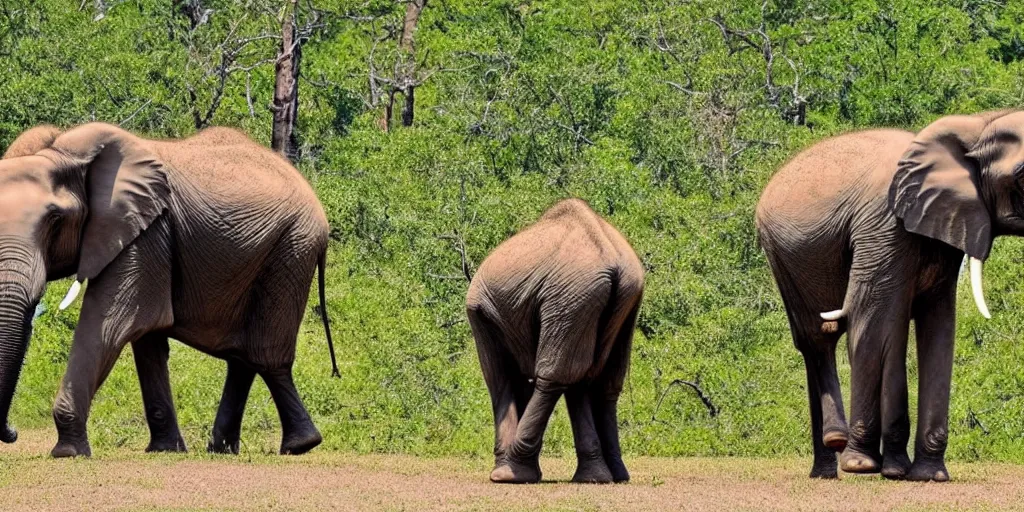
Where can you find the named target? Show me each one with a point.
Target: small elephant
(212, 240)
(866, 232)
(553, 311)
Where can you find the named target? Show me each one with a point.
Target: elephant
(552, 311)
(867, 231)
(211, 240)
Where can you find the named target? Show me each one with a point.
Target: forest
(432, 130)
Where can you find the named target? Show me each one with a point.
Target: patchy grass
(125, 479)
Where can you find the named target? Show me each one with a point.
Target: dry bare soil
(123, 479)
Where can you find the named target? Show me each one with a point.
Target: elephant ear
(935, 190)
(32, 141)
(126, 190)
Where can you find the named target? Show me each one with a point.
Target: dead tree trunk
(407, 48)
(293, 135)
(409, 109)
(404, 80)
(389, 109)
(286, 95)
(193, 10)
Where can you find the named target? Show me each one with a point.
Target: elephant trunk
(20, 289)
(976, 289)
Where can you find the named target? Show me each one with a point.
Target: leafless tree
(405, 75)
(286, 90)
(793, 108)
(299, 23)
(403, 79)
(212, 60)
(194, 11)
(407, 46)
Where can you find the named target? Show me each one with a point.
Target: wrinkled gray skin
(212, 240)
(876, 224)
(553, 311)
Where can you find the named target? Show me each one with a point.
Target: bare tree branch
(460, 247)
(758, 40)
(704, 398)
(132, 116)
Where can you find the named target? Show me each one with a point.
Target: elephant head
(961, 181)
(69, 203)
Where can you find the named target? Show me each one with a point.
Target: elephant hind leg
(151, 353)
(829, 433)
(591, 466)
(834, 429)
(605, 395)
(829, 430)
(299, 434)
(227, 428)
(510, 393)
(522, 461)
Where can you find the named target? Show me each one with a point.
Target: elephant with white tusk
(866, 232)
(212, 240)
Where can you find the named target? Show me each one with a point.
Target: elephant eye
(54, 212)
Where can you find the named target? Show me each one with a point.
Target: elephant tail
(320, 266)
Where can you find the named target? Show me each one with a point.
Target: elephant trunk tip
(8, 435)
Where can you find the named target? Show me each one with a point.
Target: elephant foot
(590, 471)
(895, 466)
(618, 470)
(825, 467)
(928, 471)
(223, 446)
(173, 444)
(824, 473)
(297, 443)
(511, 472)
(835, 440)
(67, 449)
(855, 462)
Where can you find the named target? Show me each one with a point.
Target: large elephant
(211, 240)
(553, 311)
(866, 232)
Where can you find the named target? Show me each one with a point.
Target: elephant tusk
(71, 296)
(979, 294)
(832, 316)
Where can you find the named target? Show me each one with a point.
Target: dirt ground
(121, 479)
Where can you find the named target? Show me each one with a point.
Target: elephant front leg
(91, 359)
(877, 327)
(895, 410)
(935, 334)
(227, 428)
(151, 353)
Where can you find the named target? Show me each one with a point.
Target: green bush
(661, 114)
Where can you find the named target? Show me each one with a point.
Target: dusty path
(125, 480)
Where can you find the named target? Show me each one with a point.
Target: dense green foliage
(666, 115)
